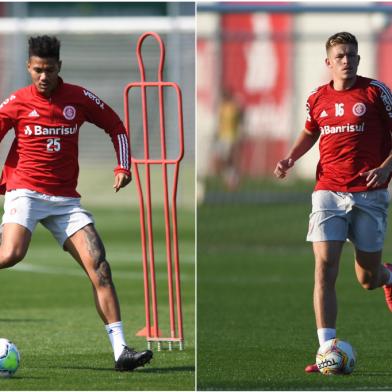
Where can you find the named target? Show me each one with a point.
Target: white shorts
(62, 216)
(360, 217)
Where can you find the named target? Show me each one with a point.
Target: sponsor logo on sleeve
(11, 98)
(94, 98)
(308, 116)
(385, 95)
(387, 102)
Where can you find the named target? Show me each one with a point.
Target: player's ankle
(325, 334)
(388, 268)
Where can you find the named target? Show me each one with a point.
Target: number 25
(53, 145)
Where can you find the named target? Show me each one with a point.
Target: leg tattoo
(97, 252)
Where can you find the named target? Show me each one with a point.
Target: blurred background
(98, 52)
(266, 58)
(257, 62)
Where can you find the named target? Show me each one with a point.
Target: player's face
(44, 73)
(343, 61)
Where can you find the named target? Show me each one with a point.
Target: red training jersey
(44, 154)
(354, 127)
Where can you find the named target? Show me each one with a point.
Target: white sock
(325, 334)
(116, 337)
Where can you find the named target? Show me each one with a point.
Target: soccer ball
(9, 358)
(336, 356)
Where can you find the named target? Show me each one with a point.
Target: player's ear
(327, 62)
(60, 63)
(359, 58)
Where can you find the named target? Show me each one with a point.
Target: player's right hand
(283, 166)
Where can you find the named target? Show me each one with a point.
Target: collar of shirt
(358, 82)
(36, 93)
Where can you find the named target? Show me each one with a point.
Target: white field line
(249, 280)
(259, 249)
(257, 279)
(26, 267)
(122, 257)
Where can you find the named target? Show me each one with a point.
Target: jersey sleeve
(385, 97)
(310, 123)
(103, 116)
(6, 116)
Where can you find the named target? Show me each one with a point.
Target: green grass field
(256, 328)
(47, 309)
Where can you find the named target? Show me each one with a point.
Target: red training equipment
(151, 331)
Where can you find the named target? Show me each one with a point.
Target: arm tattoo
(97, 252)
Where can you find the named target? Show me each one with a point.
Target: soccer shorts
(360, 217)
(62, 216)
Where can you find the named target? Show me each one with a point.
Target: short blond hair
(341, 38)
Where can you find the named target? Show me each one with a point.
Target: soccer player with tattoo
(352, 117)
(40, 175)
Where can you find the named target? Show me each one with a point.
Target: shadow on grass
(139, 370)
(167, 369)
(98, 369)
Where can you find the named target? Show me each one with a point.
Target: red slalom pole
(152, 332)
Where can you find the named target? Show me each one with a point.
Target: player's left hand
(121, 180)
(376, 177)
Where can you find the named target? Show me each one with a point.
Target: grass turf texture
(256, 328)
(47, 309)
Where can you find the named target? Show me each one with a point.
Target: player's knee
(10, 257)
(326, 273)
(103, 273)
(368, 283)
(369, 286)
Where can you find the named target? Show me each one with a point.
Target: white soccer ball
(336, 356)
(9, 358)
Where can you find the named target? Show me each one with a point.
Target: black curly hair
(44, 46)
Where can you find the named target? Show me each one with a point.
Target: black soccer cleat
(131, 359)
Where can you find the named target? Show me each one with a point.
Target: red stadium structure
(152, 331)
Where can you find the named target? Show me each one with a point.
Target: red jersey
(354, 127)
(44, 154)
